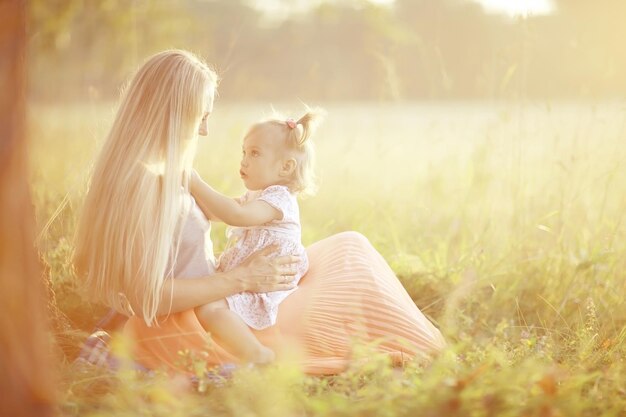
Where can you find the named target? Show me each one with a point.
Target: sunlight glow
(516, 8)
(283, 8)
(382, 2)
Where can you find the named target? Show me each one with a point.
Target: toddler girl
(276, 165)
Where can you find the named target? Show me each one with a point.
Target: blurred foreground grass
(503, 221)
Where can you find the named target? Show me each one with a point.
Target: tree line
(341, 50)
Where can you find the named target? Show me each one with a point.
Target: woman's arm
(228, 210)
(184, 294)
(258, 273)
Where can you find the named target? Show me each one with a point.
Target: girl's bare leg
(233, 332)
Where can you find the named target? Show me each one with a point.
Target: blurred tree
(26, 380)
(92, 46)
(341, 49)
(592, 35)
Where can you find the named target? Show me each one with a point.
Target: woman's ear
(288, 167)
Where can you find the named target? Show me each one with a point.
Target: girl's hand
(259, 273)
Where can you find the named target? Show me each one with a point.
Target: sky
(514, 8)
(511, 8)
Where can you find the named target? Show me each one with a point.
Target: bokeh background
(384, 50)
(479, 144)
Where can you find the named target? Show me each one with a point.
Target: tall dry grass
(504, 221)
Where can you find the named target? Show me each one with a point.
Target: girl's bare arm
(229, 210)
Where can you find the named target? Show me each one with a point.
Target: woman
(143, 247)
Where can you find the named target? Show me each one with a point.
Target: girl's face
(260, 162)
(203, 129)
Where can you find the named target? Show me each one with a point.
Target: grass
(503, 221)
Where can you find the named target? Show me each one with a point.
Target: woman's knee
(355, 237)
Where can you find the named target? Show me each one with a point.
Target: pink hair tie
(291, 123)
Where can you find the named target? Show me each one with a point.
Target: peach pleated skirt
(349, 297)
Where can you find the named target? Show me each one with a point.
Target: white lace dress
(259, 310)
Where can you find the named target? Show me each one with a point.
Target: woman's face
(203, 129)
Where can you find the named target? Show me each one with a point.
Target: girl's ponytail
(305, 126)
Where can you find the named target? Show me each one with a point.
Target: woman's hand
(259, 273)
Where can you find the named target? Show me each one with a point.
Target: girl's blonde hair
(296, 136)
(128, 234)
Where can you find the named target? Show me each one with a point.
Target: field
(504, 221)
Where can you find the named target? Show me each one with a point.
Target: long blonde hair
(127, 238)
